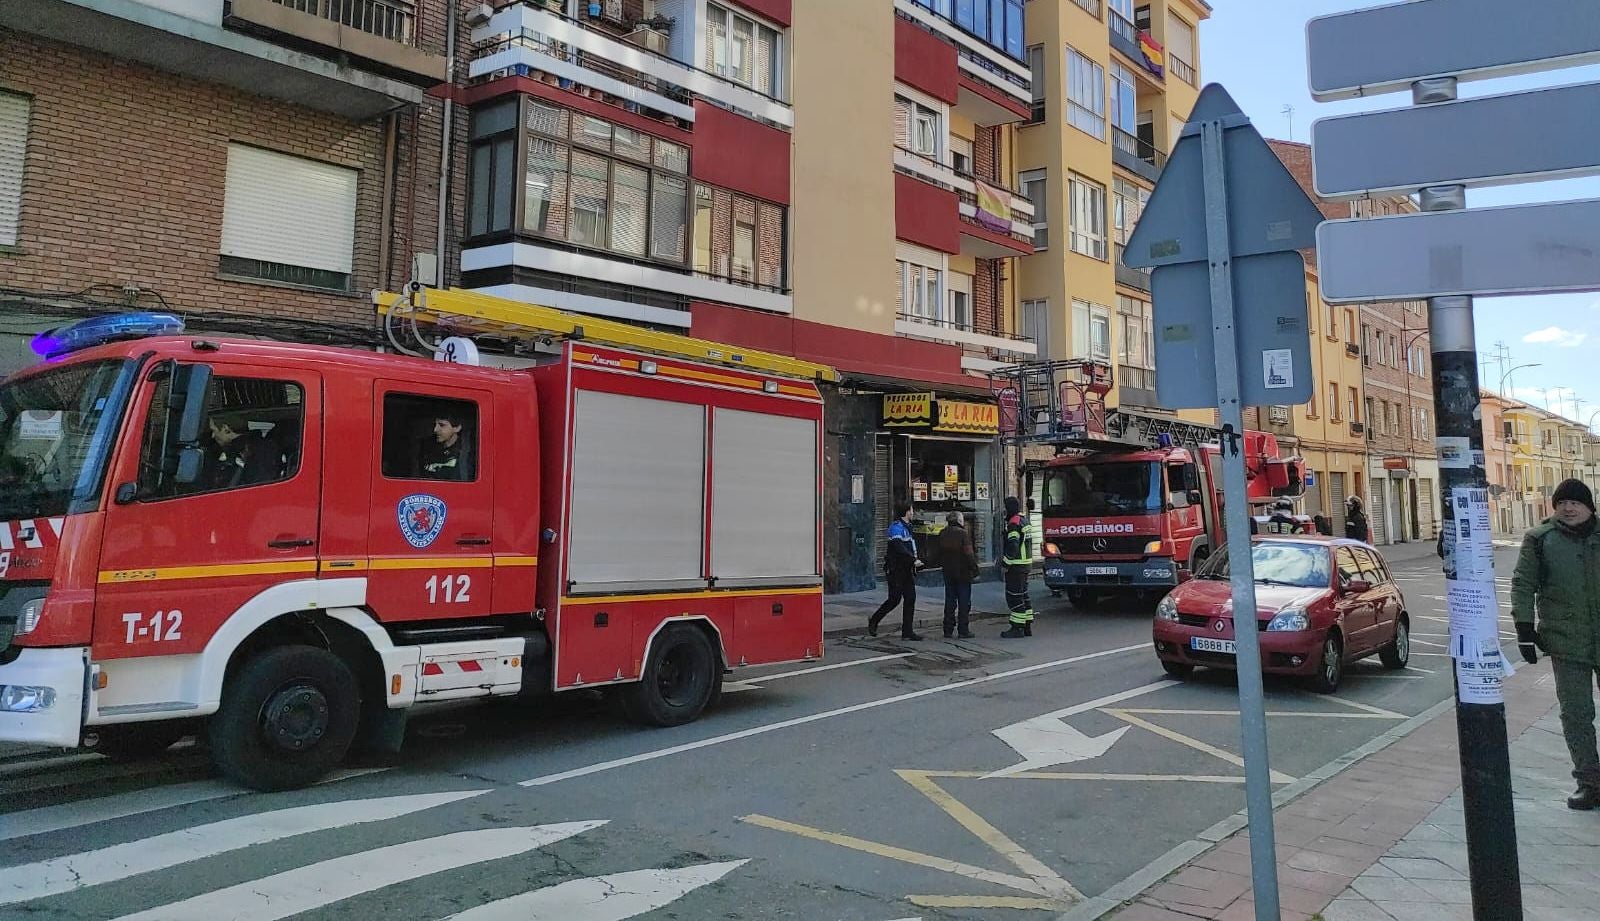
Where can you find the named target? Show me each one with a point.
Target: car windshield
(56, 429)
(1111, 488)
(1278, 563)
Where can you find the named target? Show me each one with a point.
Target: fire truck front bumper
(1150, 573)
(41, 696)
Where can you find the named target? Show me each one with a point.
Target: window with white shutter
(288, 219)
(13, 151)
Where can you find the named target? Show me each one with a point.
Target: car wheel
(1398, 653)
(1179, 670)
(1330, 665)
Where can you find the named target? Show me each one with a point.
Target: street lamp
(1505, 443)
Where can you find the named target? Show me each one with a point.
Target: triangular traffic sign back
(1268, 212)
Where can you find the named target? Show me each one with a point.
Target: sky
(1261, 61)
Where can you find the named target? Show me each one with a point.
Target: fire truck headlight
(1050, 549)
(28, 617)
(1153, 547)
(22, 698)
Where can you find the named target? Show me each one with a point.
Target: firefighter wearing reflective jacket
(1282, 520)
(1017, 560)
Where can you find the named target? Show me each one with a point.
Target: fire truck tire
(681, 678)
(287, 718)
(137, 741)
(1083, 599)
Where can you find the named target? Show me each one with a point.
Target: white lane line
(47, 819)
(613, 897)
(831, 666)
(109, 864)
(816, 717)
(294, 891)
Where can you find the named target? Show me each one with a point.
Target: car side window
(429, 438)
(1372, 567)
(253, 435)
(1345, 561)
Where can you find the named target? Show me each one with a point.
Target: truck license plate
(1207, 644)
(1101, 570)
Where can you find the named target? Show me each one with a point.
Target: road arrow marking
(613, 897)
(733, 687)
(1045, 741)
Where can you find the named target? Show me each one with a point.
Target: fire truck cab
(286, 546)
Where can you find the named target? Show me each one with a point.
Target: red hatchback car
(1320, 603)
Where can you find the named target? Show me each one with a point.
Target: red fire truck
(1131, 503)
(285, 547)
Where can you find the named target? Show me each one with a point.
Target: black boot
(1585, 799)
(1016, 632)
(1027, 629)
(966, 634)
(872, 624)
(911, 637)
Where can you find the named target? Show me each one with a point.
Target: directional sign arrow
(1046, 741)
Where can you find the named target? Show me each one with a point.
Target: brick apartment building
(274, 162)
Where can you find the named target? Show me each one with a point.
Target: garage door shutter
(288, 210)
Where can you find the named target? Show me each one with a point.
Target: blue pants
(957, 605)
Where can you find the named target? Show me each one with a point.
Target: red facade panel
(740, 154)
(845, 349)
(779, 12)
(926, 215)
(925, 61)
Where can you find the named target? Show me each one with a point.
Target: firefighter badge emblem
(421, 519)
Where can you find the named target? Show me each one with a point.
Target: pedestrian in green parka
(1558, 578)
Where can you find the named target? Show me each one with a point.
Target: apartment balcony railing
(1136, 156)
(964, 331)
(532, 41)
(1182, 69)
(1352, 349)
(1133, 278)
(395, 21)
(1092, 7)
(1124, 35)
(974, 55)
(965, 185)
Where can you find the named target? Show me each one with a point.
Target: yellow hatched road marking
(1047, 879)
(216, 571)
(899, 853)
(1196, 744)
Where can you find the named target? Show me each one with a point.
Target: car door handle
(473, 541)
(290, 543)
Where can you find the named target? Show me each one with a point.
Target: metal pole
(1236, 519)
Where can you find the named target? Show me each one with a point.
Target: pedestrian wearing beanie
(1555, 601)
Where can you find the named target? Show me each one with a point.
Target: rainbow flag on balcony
(1155, 57)
(994, 208)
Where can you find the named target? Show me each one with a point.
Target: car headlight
(28, 617)
(1289, 620)
(1167, 608)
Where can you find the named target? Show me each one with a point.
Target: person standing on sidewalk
(1558, 578)
(960, 567)
(900, 565)
(1017, 560)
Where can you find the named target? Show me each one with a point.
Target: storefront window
(952, 476)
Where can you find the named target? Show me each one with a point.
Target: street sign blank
(1385, 49)
(1517, 249)
(1515, 137)
(1269, 304)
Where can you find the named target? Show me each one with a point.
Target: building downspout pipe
(446, 140)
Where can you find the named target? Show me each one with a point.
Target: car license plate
(1101, 570)
(1207, 644)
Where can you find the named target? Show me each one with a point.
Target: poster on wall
(980, 491)
(919, 492)
(952, 474)
(964, 492)
(940, 492)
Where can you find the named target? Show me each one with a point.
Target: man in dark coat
(960, 566)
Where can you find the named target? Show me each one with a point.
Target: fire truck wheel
(1083, 599)
(679, 681)
(287, 718)
(136, 741)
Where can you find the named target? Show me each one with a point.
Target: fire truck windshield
(1107, 488)
(56, 430)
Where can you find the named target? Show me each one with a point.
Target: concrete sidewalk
(1382, 839)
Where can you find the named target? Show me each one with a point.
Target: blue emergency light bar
(100, 330)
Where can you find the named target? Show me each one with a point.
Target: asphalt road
(874, 788)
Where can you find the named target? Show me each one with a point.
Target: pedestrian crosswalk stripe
(294, 891)
(47, 819)
(613, 897)
(93, 868)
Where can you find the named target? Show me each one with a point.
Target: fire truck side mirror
(1195, 497)
(193, 381)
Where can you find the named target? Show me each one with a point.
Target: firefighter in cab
(1017, 561)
